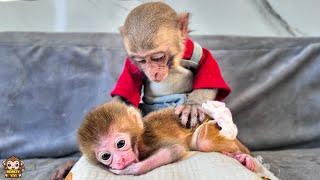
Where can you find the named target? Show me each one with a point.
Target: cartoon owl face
(13, 165)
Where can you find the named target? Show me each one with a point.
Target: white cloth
(222, 116)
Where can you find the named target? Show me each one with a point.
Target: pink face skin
(115, 151)
(153, 64)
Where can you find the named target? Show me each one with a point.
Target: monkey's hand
(163, 156)
(244, 159)
(191, 111)
(133, 169)
(62, 171)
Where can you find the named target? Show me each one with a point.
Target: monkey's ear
(121, 29)
(184, 23)
(137, 116)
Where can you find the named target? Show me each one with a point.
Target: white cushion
(198, 166)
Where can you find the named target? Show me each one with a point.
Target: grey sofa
(49, 81)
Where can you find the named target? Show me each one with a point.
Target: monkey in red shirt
(165, 66)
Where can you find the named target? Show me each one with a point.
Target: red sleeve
(209, 76)
(129, 84)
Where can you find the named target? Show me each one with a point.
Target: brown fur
(100, 120)
(164, 126)
(144, 22)
(161, 129)
(155, 24)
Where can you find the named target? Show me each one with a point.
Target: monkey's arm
(161, 157)
(199, 96)
(129, 84)
(208, 84)
(120, 99)
(208, 76)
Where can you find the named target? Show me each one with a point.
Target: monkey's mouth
(159, 78)
(123, 166)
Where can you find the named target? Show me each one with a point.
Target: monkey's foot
(63, 170)
(244, 159)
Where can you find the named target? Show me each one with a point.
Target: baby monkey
(115, 136)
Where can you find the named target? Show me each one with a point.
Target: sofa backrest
(48, 82)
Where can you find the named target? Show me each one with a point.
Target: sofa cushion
(293, 164)
(50, 80)
(40, 168)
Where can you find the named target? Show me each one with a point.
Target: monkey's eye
(121, 144)
(158, 57)
(139, 60)
(142, 61)
(105, 156)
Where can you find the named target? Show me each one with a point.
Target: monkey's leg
(63, 170)
(206, 138)
(161, 157)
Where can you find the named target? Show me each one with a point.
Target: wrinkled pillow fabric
(200, 166)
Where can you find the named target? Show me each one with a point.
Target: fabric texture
(286, 164)
(197, 166)
(221, 116)
(161, 102)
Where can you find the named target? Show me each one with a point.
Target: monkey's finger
(58, 175)
(179, 109)
(185, 115)
(201, 115)
(55, 176)
(194, 116)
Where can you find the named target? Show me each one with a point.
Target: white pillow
(198, 166)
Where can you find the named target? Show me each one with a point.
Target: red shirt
(208, 76)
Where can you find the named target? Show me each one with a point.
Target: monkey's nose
(156, 76)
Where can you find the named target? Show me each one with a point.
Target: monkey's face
(154, 64)
(157, 60)
(13, 165)
(116, 150)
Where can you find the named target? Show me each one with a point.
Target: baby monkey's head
(109, 133)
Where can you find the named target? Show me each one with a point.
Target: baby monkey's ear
(136, 114)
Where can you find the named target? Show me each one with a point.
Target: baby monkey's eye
(121, 143)
(105, 156)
